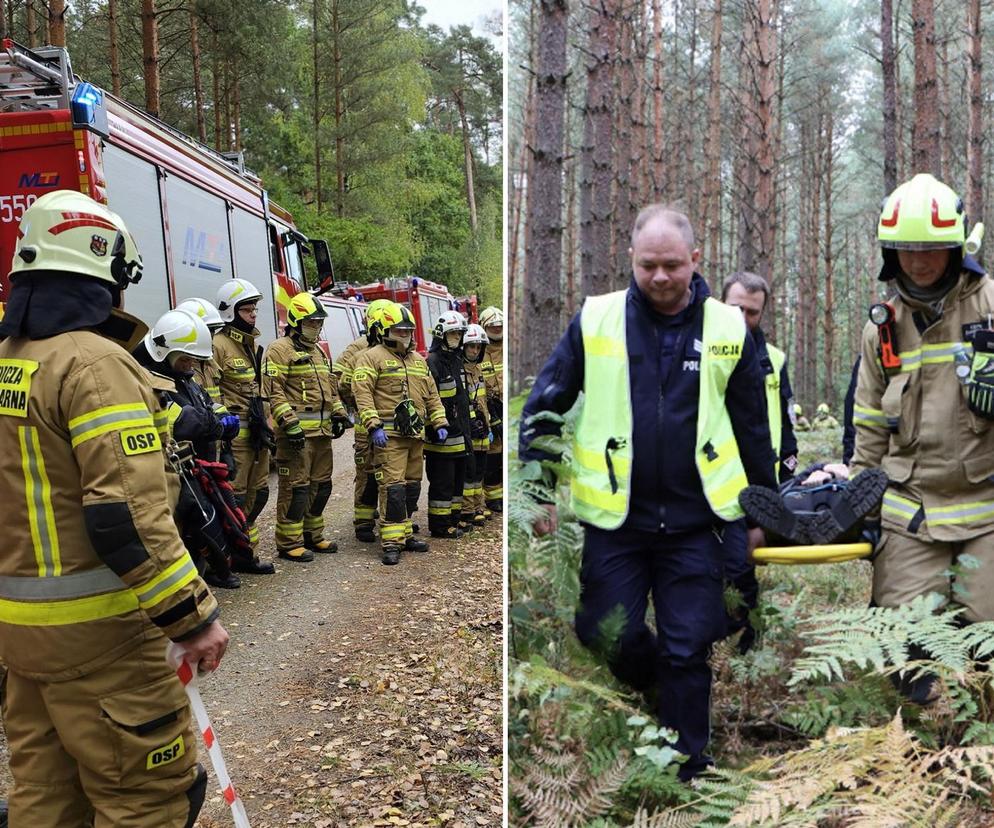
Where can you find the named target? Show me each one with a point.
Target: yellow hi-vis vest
(773, 410)
(602, 449)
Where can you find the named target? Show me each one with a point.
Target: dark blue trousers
(683, 573)
(742, 575)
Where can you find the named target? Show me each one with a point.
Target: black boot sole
(861, 496)
(766, 508)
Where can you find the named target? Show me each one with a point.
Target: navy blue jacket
(788, 441)
(664, 364)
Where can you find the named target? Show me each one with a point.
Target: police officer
(928, 421)
(673, 426)
(94, 578)
(492, 320)
(396, 397)
(364, 492)
(474, 343)
(309, 413)
(446, 460)
(240, 384)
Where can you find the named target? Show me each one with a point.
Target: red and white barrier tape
(187, 674)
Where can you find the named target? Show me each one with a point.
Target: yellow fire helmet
(179, 331)
(69, 232)
(922, 214)
(204, 309)
(232, 293)
(304, 306)
(375, 307)
(396, 318)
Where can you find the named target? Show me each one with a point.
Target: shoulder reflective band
(795, 555)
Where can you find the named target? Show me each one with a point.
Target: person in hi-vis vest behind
(673, 426)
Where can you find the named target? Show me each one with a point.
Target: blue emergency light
(89, 111)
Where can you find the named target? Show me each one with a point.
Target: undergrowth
(808, 728)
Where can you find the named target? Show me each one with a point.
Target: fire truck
(427, 301)
(199, 216)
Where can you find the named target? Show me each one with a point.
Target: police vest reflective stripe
(773, 410)
(602, 450)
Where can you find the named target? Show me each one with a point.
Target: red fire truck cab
(199, 217)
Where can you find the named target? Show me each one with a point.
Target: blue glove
(441, 434)
(490, 437)
(229, 426)
(379, 437)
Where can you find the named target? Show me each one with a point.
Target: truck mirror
(322, 261)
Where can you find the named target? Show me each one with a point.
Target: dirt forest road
(356, 694)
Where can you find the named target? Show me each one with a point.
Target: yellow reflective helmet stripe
(38, 495)
(108, 418)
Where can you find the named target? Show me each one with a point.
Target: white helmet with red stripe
(69, 232)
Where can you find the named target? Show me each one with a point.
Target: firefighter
(364, 493)
(445, 460)
(94, 578)
(309, 414)
(169, 351)
(824, 420)
(240, 364)
(396, 396)
(492, 320)
(801, 423)
(474, 343)
(927, 421)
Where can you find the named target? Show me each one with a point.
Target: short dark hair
(752, 282)
(671, 214)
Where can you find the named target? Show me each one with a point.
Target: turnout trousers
(364, 502)
(446, 472)
(683, 574)
(493, 478)
(304, 489)
(115, 746)
(397, 469)
(907, 566)
(251, 482)
(472, 492)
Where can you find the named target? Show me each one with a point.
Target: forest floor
(355, 694)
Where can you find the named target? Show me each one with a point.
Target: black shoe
(415, 527)
(840, 521)
(253, 567)
(365, 534)
(495, 506)
(448, 534)
(767, 509)
(230, 582)
(391, 555)
(415, 545)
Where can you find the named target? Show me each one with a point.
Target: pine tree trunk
(945, 133)
(318, 194)
(766, 88)
(712, 182)
(975, 135)
(198, 82)
(543, 265)
(115, 58)
(625, 104)
(150, 56)
(3, 19)
(468, 164)
(925, 137)
(888, 61)
(236, 105)
(32, 24)
(216, 91)
(828, 394)
(226, 85)
(337, 58)
(656, 150)
(57, 22)
(596, 208)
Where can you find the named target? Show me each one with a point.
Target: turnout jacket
(666, 490)
(382, 379)
(207, 374)
(92, 563)
(298, 381)
(914, 421)
(341, 370)
(240, 365)
(476, 390)
(447, 371)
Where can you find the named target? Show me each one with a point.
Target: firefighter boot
(229, 581)
(413, 544)
(252, 567)
(3, 813)
(365, 533)
(299, 554)
(391, 554)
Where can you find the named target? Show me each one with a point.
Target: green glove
(981, 384)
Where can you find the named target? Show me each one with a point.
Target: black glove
(478, 428)
(339, 425)
(295, 437)
(870, 534)
(981, 383)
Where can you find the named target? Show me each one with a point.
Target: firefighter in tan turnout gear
(240, 363)
(364, 499)
(473, 507)
(396, 397)
(492, 320)
(924, 408)
(94, 578)
(298, 382)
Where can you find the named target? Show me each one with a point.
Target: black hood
(47, 303)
